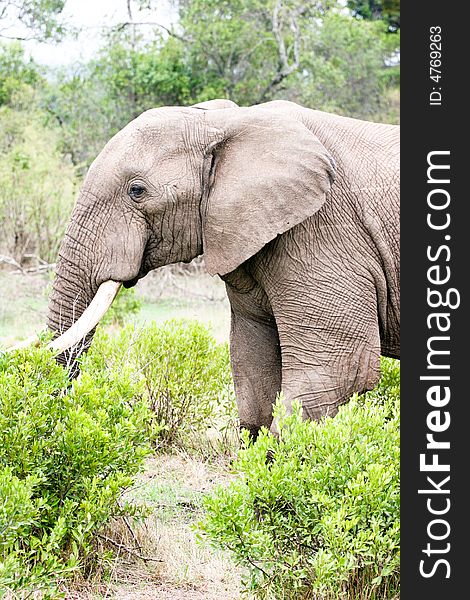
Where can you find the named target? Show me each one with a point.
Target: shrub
(323, 517)
(67, 452)
(20, 513)
(183, 374)
(126, 303)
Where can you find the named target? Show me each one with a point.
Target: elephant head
(178, 182)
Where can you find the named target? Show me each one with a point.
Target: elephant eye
(136, 191)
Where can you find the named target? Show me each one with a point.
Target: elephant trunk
(69, 299)
(76, 303)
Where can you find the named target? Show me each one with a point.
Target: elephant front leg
(256, 367)
(255, 358)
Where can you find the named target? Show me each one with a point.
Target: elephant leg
(256, 367)
(328, 352)
(324, 376)
(254, 352)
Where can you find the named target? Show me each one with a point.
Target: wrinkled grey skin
(297, 210)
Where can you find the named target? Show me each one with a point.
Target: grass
(174, 486)
(213, 314)
(23, 305)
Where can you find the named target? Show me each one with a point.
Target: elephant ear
(268, 174)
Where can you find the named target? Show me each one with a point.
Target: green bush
(183, 373)
(323, 517)
(67, 452)
(125, 304)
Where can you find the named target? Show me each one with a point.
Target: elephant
(297, 210)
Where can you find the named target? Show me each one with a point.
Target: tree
(39, 19)
(139, 74)
(255, 50)
(37, 186)
(344, 68)
(249, 51)
(17, 75)
(76, 102)
(386, 10)
(240, 49)
(245, 50)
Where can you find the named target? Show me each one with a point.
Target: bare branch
(42, 266)
(4, 10)
(130, 551)
(285, 68)
(278, 35)
(39, 21)
(170, 32)
(19, 38)
(8, 260)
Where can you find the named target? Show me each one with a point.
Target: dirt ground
(179, 567)
(161, 592)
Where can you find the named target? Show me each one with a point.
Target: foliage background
(336, 55)
(330, 55)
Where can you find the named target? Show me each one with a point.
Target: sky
(92, 15)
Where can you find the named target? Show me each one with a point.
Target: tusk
(90, 318)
